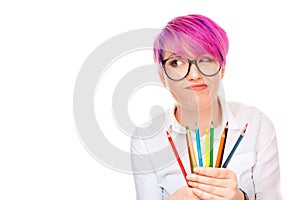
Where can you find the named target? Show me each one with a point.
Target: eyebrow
(176, 55)
(172, 55)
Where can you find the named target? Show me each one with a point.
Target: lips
(197, 87)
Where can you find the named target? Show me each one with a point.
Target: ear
(222, 72)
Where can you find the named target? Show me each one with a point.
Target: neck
(204, 116)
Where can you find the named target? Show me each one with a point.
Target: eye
(176, 62)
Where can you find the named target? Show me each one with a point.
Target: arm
(266, 173)
(184, 193)
(145, 176)
(147, 187)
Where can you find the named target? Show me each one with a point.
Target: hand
(214, 183)
(184, 193)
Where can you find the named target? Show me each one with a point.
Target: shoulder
(260, 125)
(259, 122)
(238, 107)
(240, 110)
(152, 134)
(154, 126)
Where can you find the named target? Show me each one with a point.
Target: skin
(205, 183)
(192, 102)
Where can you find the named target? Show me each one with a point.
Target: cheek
(189, 98)
(177, 90)
(213, 84)
(174, 88)
(214, 87)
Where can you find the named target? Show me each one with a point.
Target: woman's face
(195, 90)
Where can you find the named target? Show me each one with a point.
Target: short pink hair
(192, 35)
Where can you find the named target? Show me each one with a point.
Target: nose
(194, 73)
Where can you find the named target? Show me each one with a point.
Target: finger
(218, 191)
(230, 181)
(206, 195)
(220, 173)
(208, 180)
(206, 190)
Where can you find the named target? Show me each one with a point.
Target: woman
(191, 53)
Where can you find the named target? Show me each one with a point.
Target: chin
(195, 104)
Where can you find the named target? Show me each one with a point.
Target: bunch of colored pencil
(209, 148)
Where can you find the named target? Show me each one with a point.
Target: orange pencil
(222, 147)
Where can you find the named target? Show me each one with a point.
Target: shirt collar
(174, 124)
(227, 115)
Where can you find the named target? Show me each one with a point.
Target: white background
(42, 48)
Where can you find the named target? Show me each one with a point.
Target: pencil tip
(226, 126)
(245, 128)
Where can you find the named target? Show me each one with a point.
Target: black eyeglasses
(177, 68)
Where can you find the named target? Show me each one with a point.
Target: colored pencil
(177, 156)
(192, 157)
(198, 146)
(211, 144)
(207, 152)
(235, 146)
(222, 147)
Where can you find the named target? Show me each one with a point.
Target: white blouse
(157, 173)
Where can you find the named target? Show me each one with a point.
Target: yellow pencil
(207, 149)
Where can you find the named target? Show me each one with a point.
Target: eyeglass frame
(163, 62)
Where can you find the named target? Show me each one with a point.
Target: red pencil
(177, 156)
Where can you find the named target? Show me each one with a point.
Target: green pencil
(211, 145)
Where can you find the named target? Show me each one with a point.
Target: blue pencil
(198, 146)
(235, 146)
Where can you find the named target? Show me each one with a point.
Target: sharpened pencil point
(244, 130)
(168, 134)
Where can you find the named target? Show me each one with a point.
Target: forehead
(183, 47)
(189, 55)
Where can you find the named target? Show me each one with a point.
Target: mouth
(197, 87)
